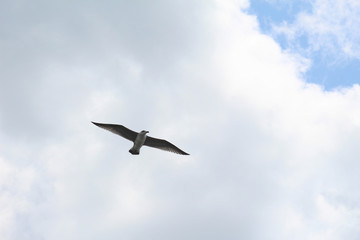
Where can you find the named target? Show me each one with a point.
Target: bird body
(140, 139)
(138, 143)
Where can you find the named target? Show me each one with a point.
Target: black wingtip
(100, 125)
(181, 152)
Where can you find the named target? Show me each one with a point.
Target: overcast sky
(263, 95)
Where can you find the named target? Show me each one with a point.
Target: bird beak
(147, 131)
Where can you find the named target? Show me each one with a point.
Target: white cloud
(271, 156)
(16, 184)
(331, 28)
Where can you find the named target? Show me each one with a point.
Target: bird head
(144, 131)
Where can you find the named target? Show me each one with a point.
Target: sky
(322, 31)
(264, 96)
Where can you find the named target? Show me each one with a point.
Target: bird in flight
(140, 139)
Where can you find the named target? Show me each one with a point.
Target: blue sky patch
(327, 71)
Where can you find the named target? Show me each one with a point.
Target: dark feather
(163, 145)
(119, 130)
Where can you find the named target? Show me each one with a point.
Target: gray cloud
(271, 156)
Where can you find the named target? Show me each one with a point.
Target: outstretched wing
(119, 130)
(163, 145)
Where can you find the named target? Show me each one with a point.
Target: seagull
(140, 139)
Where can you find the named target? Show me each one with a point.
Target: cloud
(271, 156)
(330, 28)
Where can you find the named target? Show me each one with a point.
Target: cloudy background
(262, 94)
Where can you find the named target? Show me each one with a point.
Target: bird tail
(134, 151)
